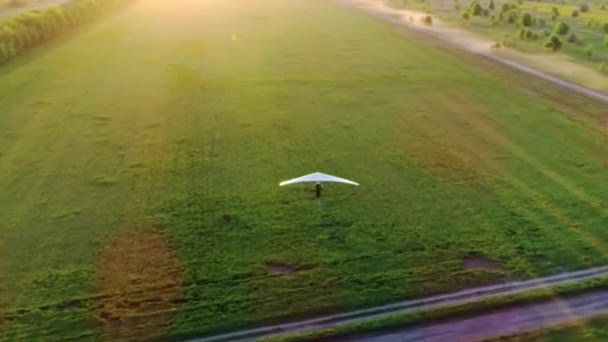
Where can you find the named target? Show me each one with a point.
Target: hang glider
(318, 177)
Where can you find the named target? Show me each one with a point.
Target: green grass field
(140, 159)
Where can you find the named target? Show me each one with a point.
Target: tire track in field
(485, 130)
(541, 200)
(535, 195)
(465, 133)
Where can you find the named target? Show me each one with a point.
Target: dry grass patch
(456, 140)
(138, 286)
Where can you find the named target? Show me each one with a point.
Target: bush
(603, 67)
(542, 22)
(427, 20)
(606, 41)
(32, 28)
(505, 7)
(507, 43)
(561, 28)
(605, 27)
(475, 8)
(554, 12)
(485, 13)
(589, 50)
(583, 7)
(465, 16)
(491, 5)
(526, 19)
(533, 35)
(512, 17)
(547, 33)
(457, 5)
(527, 34)
(553, 43)
(493, 20)
(523, 33)
(572, 38)
(574, 13)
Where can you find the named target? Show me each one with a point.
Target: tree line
(32, 28)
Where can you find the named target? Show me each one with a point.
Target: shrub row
(34, 27)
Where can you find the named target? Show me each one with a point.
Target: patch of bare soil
(480, 262)
(279, 268)
(138, 286)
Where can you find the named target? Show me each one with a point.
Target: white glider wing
(318, 177)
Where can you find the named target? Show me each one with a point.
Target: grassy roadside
(591, 330)
(399, 321)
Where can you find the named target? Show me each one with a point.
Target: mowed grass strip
(185, 116)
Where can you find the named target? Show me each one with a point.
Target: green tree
(491, 5)
(476, 8)
(574, 13)
(526, 19)
(553, 43)
(561, 28)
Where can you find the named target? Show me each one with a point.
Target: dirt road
(410, 306)
(504, 322)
